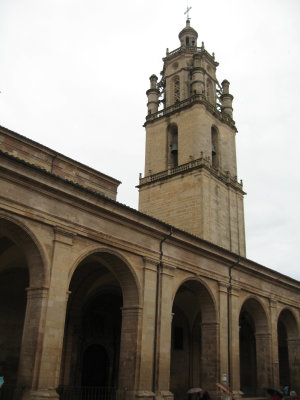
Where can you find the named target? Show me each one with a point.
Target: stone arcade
(96, 297)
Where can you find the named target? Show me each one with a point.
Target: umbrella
(274, 392)
(194, 390)
(225, 388)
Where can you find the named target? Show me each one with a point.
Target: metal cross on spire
(187, 12)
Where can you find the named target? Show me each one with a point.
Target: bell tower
(190, 178)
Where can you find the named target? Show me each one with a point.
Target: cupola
(188, 36)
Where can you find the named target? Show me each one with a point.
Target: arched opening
(215, 156)
(176, 89)
(173, 146)
(13, 283)
(255, 367)
(21, 266)
(248, 366)
(283, 355)
(288, 350)
(209, 91)
(101, 287)
(194, 340)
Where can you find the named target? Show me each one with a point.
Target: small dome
(188, 36)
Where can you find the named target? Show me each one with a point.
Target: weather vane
(187, 11)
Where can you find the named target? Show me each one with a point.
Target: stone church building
(101, 301)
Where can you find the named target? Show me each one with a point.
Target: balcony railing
(200, 162)
(10, 392)
(87, 393)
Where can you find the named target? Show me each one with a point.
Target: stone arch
(172, 140)
(256, 306)
(22, 237)
(215, 147)
(288, 348)
(103, 311)
(255, 347)
(194, 326)
(209, 91)
(208, 292)
(176, 88)
(122, 270)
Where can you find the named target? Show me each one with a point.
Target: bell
(213, 150)
(174, 148)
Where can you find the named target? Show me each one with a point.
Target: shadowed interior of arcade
(288, 349)
(92, 342)
(255, 368)
(21, 278)
(194, 340)
(14, 279)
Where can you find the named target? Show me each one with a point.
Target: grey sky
(73, 76)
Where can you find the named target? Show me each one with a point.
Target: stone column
(263, 361)
(274, 344)
(223, 337)
(294, 362)
(32, 338)
(234, 378)
(50, 351)
(148, 329)
(163, 355)
(130, 347)
(209, 359)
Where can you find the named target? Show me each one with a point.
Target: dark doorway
(95, 366)
(283, 353)
(248, 366)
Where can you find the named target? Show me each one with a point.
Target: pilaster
(234, 375)
(47, 378)
(263, 360)
(148, 326)
(32, 338)
(164, 332)
(223, 336)
(129, 350)
(274, 342)
(294, 362)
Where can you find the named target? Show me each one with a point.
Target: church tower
(190, 178)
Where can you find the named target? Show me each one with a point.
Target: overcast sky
(73, 76)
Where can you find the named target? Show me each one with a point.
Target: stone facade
(98, 299)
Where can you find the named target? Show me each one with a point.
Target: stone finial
(152, 94)
(226, 99)
(225, 86)
(153, 81)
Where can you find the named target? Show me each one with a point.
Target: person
(205, 395)
(1, 376)
(294, 395)
(276, 396)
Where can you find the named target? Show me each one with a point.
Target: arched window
(215, 156)
(176, 86)
(173, 146)
(209, 91)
